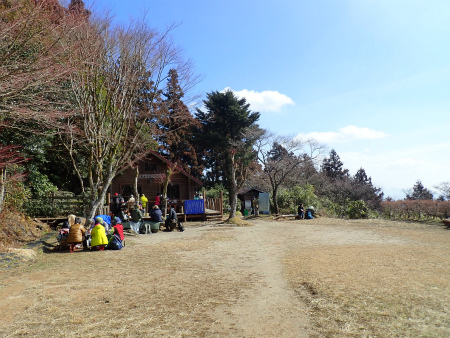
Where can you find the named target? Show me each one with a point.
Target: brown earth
(306, 278)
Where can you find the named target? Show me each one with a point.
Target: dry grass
(95, 294)
(238, 222)
(368, 278)
(377, 290)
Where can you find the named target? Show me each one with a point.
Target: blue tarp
(192, 207)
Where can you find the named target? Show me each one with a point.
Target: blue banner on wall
(194, 207)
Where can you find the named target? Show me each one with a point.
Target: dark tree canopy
(333, 166)
(419, 192)
(222, 124)
(362, 178)
(176, 126)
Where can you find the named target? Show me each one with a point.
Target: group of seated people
(171, 222)
(107, 231)
(308, 214)
(100, 235)
(134, 215)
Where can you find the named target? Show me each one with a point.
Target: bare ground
(316, 278)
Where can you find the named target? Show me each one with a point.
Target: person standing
(131, 202)
(157, 199)
(114, 208)
(144, 201)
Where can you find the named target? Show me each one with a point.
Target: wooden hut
(151, 174)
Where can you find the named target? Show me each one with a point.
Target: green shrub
(290, 198)
(357, 209)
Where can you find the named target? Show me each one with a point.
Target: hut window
(173, 191)
(127, 190)
(150, 167)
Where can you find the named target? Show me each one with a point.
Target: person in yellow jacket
(98, 238)
(144, 201)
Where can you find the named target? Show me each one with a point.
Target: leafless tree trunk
(122, 70)
(233, 186)
(282, 156)
(135, 185)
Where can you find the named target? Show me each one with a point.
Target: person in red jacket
(116, 240)
(157, 199)
(117, 227)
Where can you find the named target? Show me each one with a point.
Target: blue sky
(369, 78)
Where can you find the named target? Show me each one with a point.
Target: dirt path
(209, 281)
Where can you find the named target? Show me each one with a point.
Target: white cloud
(343, 135)
(396, 169)
(265, 101)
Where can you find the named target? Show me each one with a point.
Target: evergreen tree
(224, 121)
(419, 192)
(177, 124)
(361, 177)
(332, 167)
(225, 147)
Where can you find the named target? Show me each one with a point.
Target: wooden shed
(245, 195)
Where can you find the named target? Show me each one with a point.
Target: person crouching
(117, 239)
(98, 238)
(76, 232)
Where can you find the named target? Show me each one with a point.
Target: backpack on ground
(115, 243)
(142, 229)
(180, 227)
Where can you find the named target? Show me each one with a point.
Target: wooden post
(221, 203)
(204, 206)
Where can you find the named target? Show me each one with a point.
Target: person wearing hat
(104, 220)
(98, 238)
(117, 238)
(114, 206)
(117, 228)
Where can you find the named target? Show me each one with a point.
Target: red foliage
(416, 209)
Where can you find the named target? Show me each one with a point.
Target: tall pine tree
(333, 166)
(225, 147)
(177, 126)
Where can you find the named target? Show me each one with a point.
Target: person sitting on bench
(172, 219)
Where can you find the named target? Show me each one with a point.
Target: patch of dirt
(320, 277)
(17, 230)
